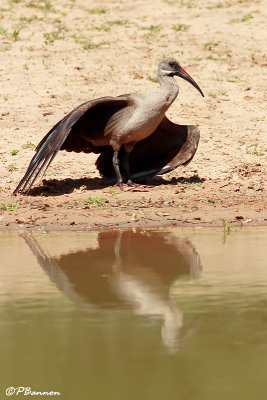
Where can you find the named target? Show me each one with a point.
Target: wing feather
(169, 146)
(77, 127)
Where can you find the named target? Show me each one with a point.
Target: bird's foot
(131, 186)
(122, 185)
(138, 185)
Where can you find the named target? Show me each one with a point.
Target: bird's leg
(128, 148)
(126, 166)
(116, 162)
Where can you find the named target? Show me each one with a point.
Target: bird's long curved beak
(183, 74)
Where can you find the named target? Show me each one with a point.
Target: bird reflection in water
(128, 270)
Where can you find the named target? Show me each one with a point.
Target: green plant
(30, 19)
(96, 200)
(14, 152)
(12, 167)
(226, 227)
(42, 230)
(122, 203)
(162, 214)
(50, 37)
(152, 79)
(100, 28)
(210, 45)
(134, 217)
(189, 183)
(245, 18)
(87, 45)
(154, 28)
(221, 93)
(13, 206)
(44, 5)
(218, 6)
(118, 22)
(98, 11)
(256, 150)
(180, 27)
(3, 31)
(16, 32)
(28, 145)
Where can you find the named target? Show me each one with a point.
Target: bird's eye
(173, 64)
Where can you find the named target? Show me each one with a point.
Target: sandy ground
(56, 54)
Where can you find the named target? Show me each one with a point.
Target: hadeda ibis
(132, 125)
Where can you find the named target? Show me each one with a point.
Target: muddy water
(159, 314)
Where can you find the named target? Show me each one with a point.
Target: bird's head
(171, 67)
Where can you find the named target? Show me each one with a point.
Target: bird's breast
(141, 120)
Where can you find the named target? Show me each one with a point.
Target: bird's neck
(169, 87)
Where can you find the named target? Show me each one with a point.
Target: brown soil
(57, 54)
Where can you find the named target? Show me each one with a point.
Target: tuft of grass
(3, 31)
(28, 20)
(152, 79)
(87, 45)
(12, 167)
(134, 217)
(122, 203)
(211, 201)
(98, 11)
(154, 28)
(245, 18)
(226, 229)
(50, 37)
(44, 5)
(210, 45)
(256, 150)
(100, 28)
(5, 97)
(16, 32)
(219, 5)
(14, 152)
(221, 93)
(162, 214)
(96, 200)
(118, 22)
(13, 206)
(188, 184)
(42, 230)
(180, 27)
(28, 145)
(46, 207)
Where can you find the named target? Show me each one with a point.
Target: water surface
(155, 314)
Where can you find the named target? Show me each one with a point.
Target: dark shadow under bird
(131, 133)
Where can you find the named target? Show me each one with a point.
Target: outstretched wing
(169, 146)
(72, 133)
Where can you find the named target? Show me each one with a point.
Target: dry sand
(56, 54)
